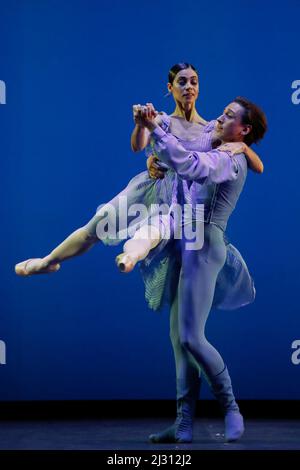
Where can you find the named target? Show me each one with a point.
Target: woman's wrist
(151, 126)
(49, 259)
(140, 126)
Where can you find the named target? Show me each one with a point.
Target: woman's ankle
(49, 261)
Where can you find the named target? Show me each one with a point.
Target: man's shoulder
(240, 161)
(241, 158)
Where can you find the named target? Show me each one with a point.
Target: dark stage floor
(125, 434)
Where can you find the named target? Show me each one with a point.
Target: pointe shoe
(35, 266)
(125, 262)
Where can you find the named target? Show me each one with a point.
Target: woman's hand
(137, 115)
(153, 169)
(254, 162)
(233, 147)
(144, 115)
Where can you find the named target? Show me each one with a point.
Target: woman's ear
(169, 91)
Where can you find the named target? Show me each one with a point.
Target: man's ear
(247, 129)
(169, 87)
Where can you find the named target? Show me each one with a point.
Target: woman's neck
(189, 114)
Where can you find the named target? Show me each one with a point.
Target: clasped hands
(144, 116)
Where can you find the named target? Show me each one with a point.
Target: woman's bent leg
(145, 239)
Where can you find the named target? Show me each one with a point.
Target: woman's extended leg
(75, 244)
(81, 240)
(84, 238)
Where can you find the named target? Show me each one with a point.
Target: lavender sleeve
(215, 165)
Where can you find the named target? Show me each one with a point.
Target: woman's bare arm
(254, 162)
(140, 136)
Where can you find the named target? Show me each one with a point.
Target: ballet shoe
(34, 266)
(182, 430)
(125, 262)
(222, 389)
(234, 426)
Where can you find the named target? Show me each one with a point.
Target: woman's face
(185, 87)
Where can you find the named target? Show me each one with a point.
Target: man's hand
(233, 147)
(144, 116)
(153, 169)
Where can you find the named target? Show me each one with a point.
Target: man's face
(229, 127)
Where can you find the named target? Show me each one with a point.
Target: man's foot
(35, 266)
(125, 262)
(174, 433)
(234, 426)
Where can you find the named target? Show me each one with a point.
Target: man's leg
(187, 387)
(196, 291)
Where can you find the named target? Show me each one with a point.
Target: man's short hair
(254, 116)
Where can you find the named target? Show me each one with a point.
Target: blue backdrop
(70, 72)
